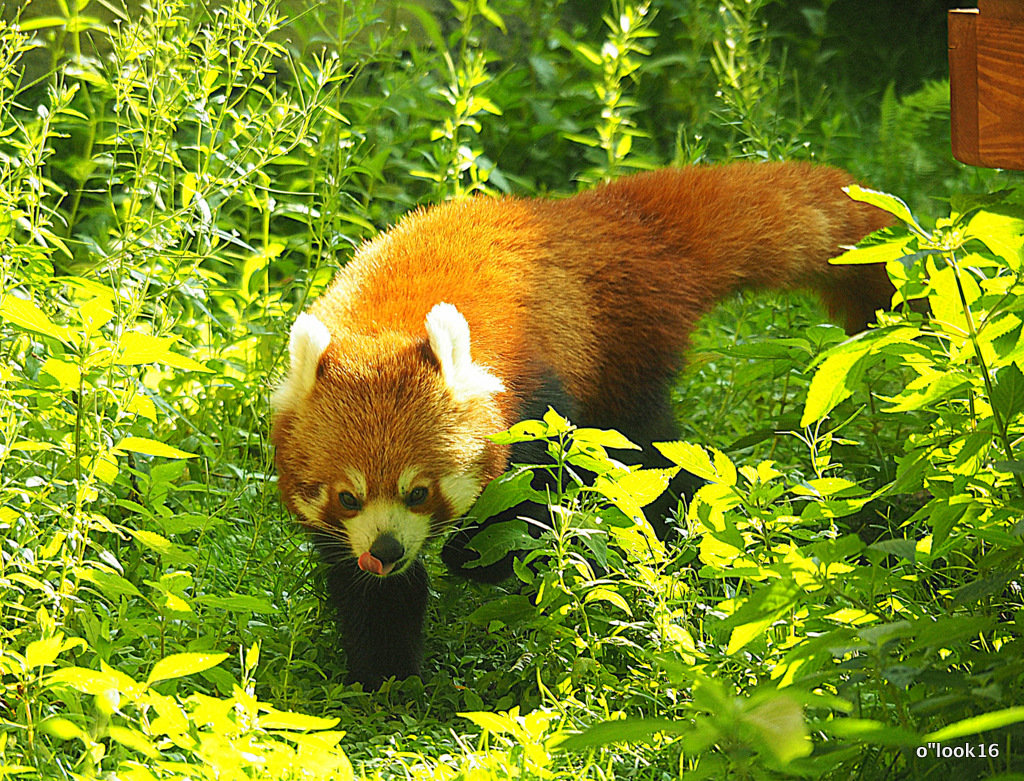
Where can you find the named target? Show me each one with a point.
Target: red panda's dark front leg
(381, 619)
(456, 554)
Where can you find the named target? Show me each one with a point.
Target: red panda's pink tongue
(370, 563)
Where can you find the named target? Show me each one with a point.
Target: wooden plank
(1002, 9)
(963, 85)
(1000, 74)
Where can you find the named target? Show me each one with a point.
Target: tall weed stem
(986, 374)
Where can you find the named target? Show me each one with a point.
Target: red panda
(467, 317)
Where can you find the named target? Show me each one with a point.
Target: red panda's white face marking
(310, 500)
(382, 438)
(460, 491)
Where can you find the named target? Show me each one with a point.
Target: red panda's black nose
(387, 549)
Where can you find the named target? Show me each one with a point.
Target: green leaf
(976, 724)
(139, 348)
(882, 252)
(904, 549)
(760, 611)
(621, 731)
(496, 540)
(780, 720)
(1008, 392)
(490, 15)
(979, 589)
(507, 609)
(504, 492)
(25, 314)
(40, 653)
(611, 597)
(180, 665)
(236, 603)
(110, 584)
(151, 447)
(885, 202)
(428, 22)
(870, 731)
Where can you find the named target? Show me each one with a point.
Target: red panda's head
(381, 440)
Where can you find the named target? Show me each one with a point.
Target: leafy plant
(176, 183)
(613, 68)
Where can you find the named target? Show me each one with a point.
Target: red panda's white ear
(449, 339)
(309, 339)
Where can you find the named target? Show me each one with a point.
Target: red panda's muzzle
(382, 557)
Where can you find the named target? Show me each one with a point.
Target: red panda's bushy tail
(716, 229)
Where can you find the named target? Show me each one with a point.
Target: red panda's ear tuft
(449, 340)
(308, 341)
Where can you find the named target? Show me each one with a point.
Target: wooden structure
(986, 82)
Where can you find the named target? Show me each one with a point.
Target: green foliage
(177, 180)
(881, 641)
(612, 69)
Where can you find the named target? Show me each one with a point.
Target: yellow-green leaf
(280, 719)
(874, 253)
(884, 201)
(780, 720)
(133, 739)
(609, 596)
(63, 729)
(40, 653)
(744, 633)
(25, 314)
(151, 447)
(66, 374)
(492, 722)
(188, 189)
(139, 348)
(976, 724)
(110, 583)
(91, 682)
(180, 665)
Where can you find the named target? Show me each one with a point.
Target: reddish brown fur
(604, 286)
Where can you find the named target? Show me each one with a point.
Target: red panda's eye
(348, 500)
(416, 496)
